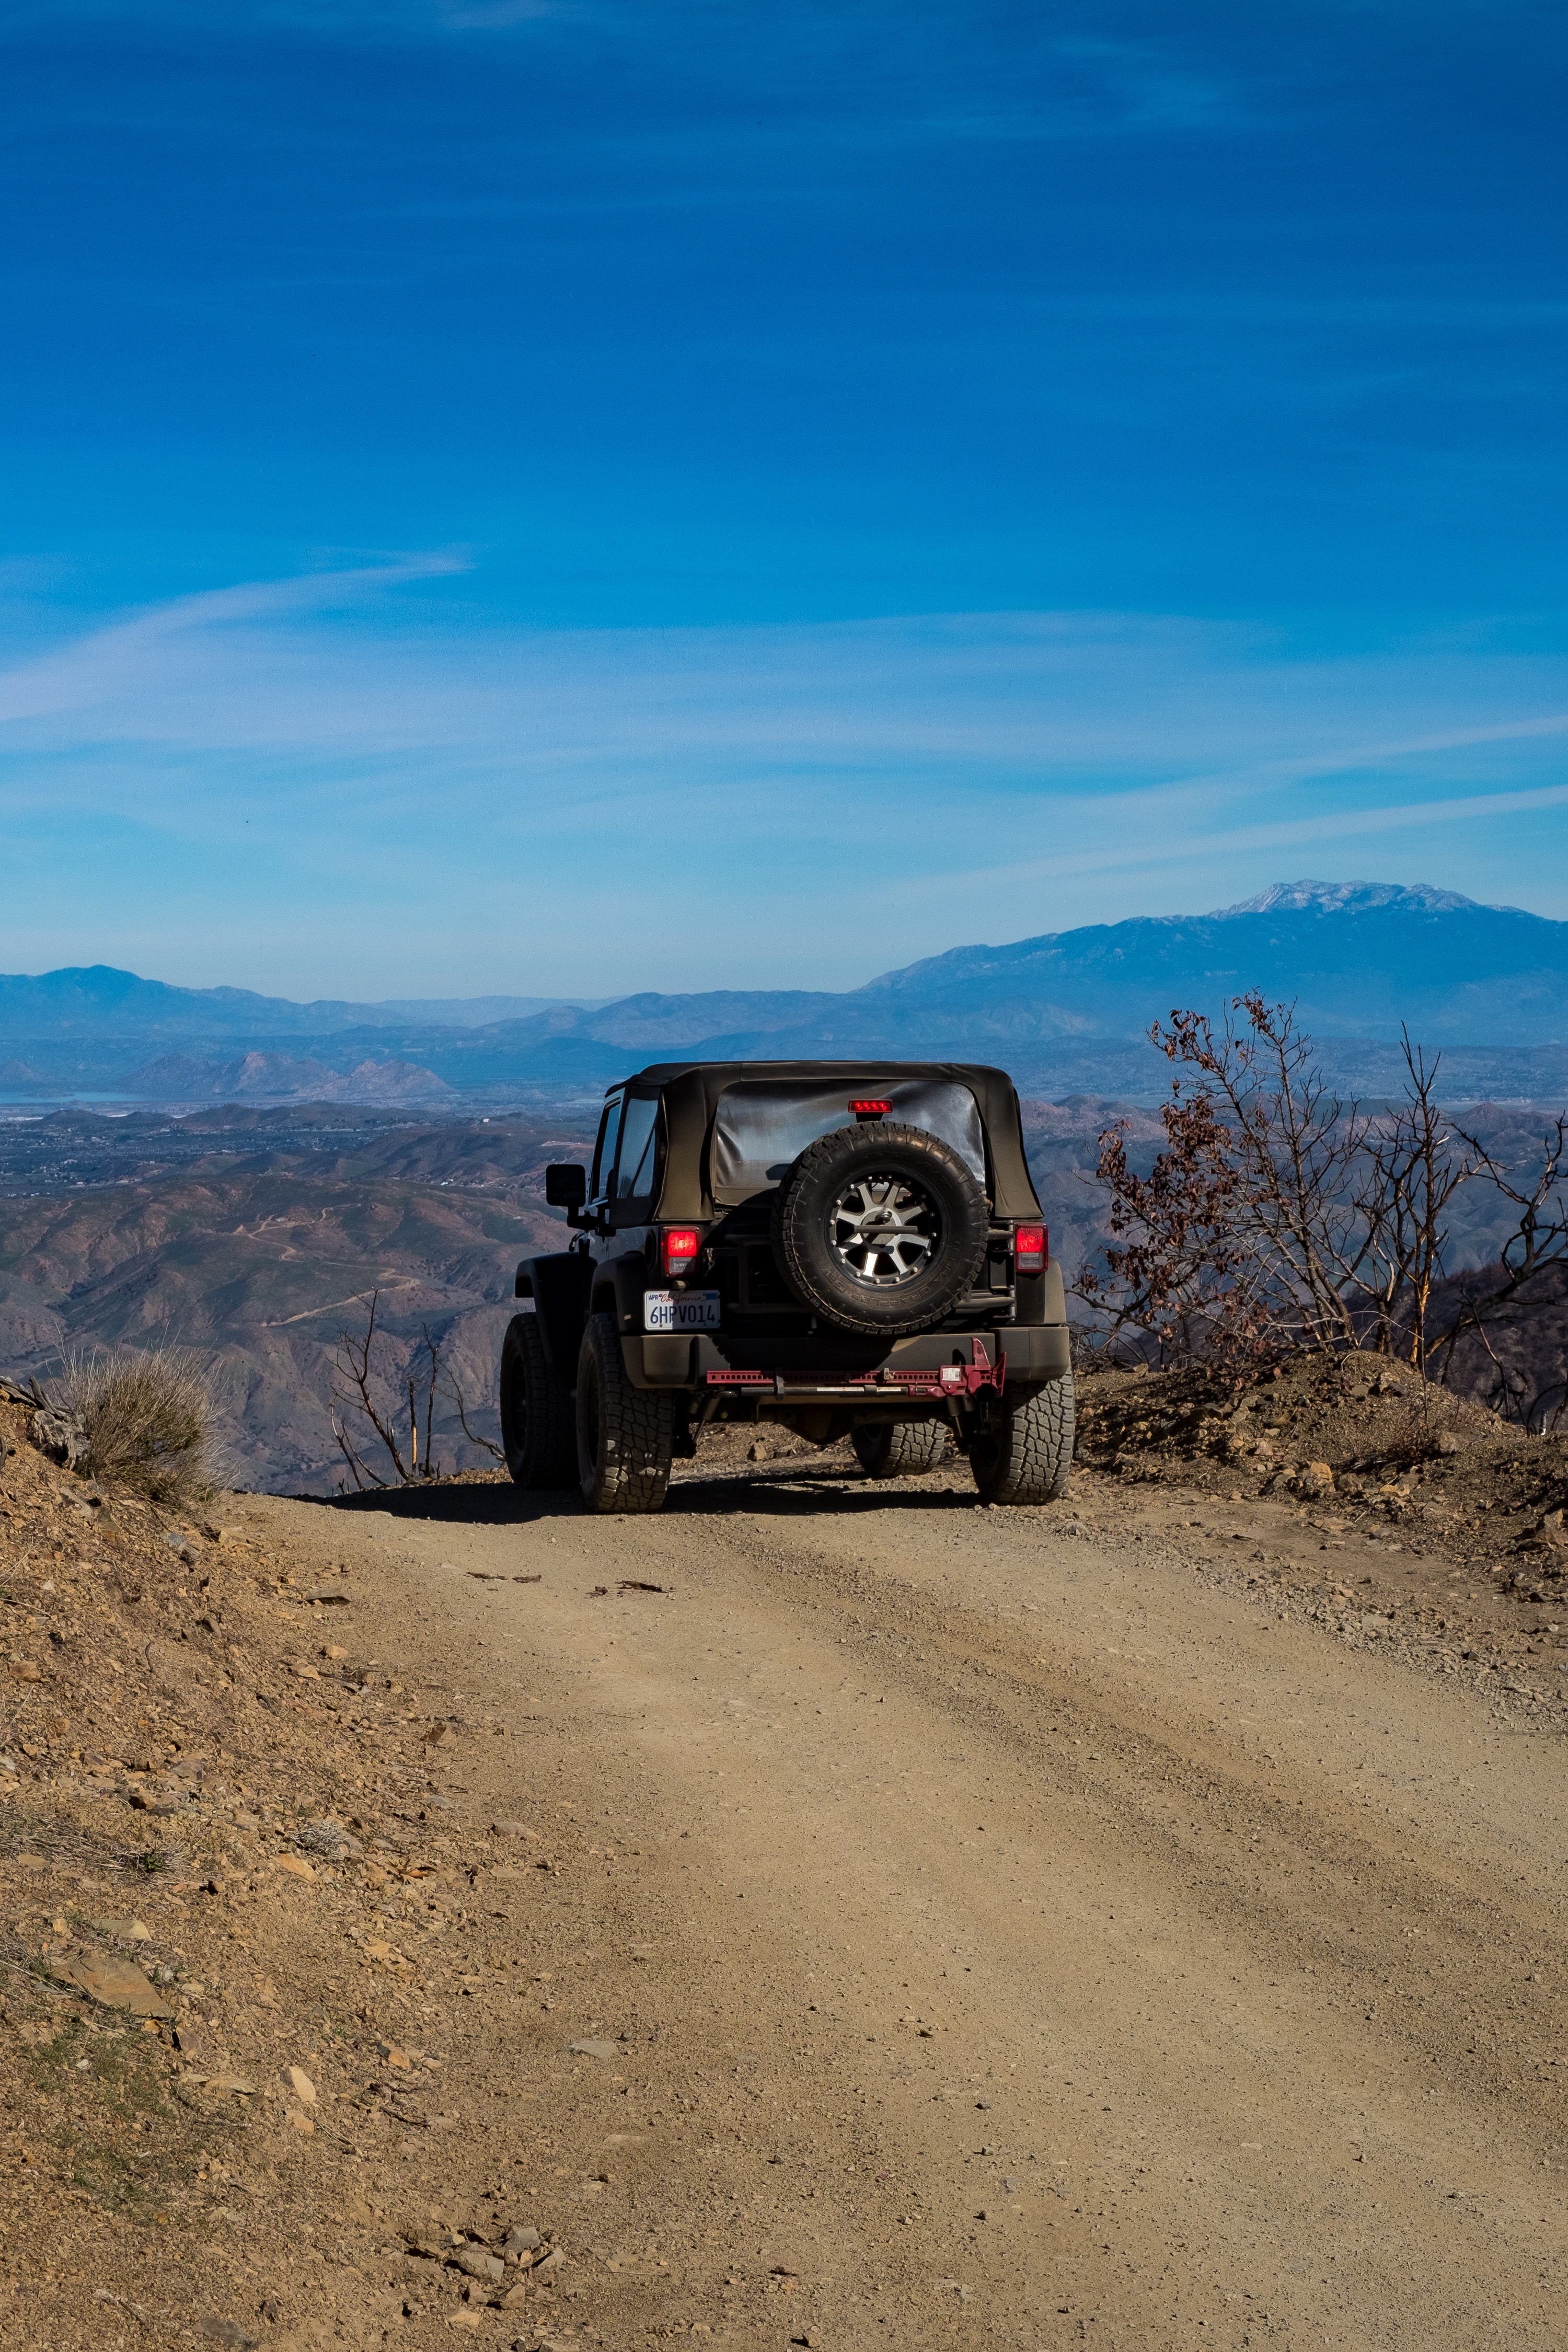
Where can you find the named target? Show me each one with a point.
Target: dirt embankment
(215, 1806)
(1455, 1518)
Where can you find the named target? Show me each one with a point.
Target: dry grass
(149, 1418)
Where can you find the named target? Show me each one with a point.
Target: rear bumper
(879, 1375)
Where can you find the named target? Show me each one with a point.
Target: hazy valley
(260, 1235)
(306, 1158)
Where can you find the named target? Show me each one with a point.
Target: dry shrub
(148, 1418)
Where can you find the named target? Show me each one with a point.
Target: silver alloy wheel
(883, 1230)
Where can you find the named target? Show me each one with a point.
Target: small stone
(225, 2331)
(300, 2082)
(514, 2298)
(296, 1868)
(23, 1669)
(546, 2273)
(334, 1649)
(475, 2263)
(593, 2050)
(521, 2241)
(112, 1982)
(440, 1735)
(306, 1673)
(271, 2310)
(392, 2054)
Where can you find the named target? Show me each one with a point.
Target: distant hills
(282, 1077)
(1066, 1011)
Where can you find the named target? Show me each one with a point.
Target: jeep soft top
(850, 1248)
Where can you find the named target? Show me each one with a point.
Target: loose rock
(112, 1982)
(475, 2263)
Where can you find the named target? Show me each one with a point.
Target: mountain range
(1066, 1011)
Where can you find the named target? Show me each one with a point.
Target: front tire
(626, 1436)
(1024, 1454)
(901, 1449)
(536, 1424)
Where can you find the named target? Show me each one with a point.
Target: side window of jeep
(604, 1151)
(635, 1165)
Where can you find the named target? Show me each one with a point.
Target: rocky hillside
(232, 2106)
(262, 1258)
(1426, 1471)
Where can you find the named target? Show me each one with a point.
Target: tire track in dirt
(1135, 1893)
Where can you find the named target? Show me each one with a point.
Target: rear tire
(901, 1449)
(1027, 1453)
(536, 1423)
(626, 1436)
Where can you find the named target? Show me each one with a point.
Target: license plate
(681, 1310)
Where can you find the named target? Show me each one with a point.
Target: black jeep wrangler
(850, 1248)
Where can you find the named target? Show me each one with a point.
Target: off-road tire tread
(545, 1458)
(1032, 1454)
(791, 1229)
(901, 1449)
(637, 1428)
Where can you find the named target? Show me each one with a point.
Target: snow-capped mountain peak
(1350, 899)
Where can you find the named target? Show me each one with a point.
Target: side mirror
(566, 1184)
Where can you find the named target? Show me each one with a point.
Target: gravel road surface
(995, 1927)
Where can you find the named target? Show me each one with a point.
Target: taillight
(1030, 1249)
(681, 1244)
(870, 1109)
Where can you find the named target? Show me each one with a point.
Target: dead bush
(146, 1418)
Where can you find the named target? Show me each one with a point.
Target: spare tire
(879, 1229)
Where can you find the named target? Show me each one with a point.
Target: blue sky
(515, 497)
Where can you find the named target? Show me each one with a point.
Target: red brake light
(681, 1244)
(1030, 1249)
(876, 1109)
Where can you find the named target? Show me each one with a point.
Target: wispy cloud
(801, 796)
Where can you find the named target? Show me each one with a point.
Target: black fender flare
(558, 1285)
(617, 1289)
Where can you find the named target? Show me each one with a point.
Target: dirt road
(993, 1928)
